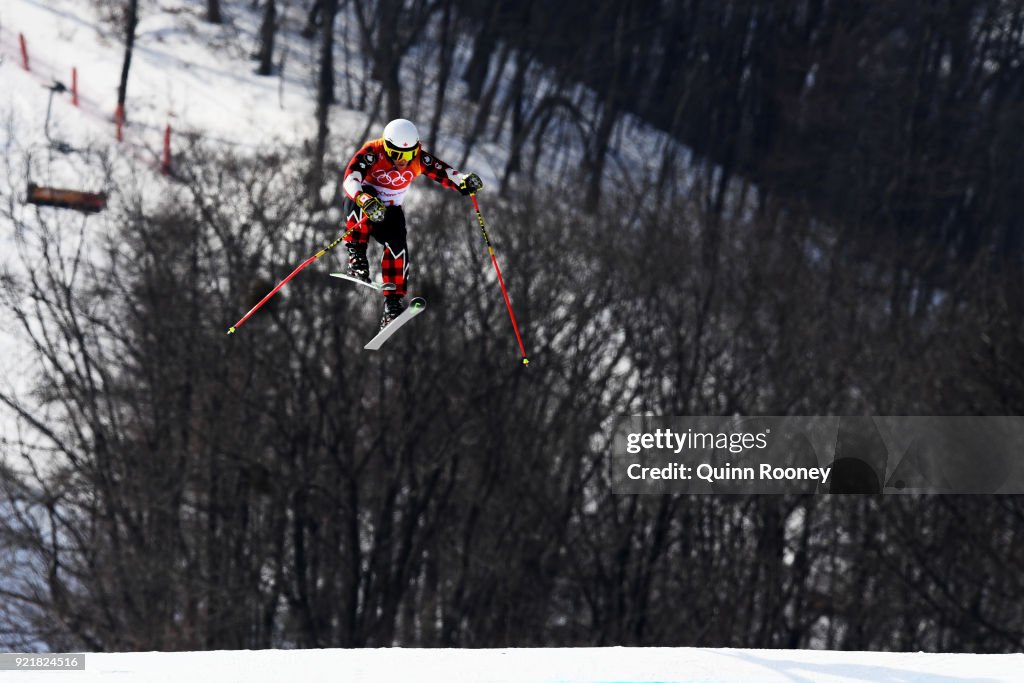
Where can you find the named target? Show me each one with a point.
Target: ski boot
(393, 307)
(358, 265)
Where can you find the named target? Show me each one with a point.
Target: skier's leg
(394, 263)
(356, 242)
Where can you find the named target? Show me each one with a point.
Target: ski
(416, 307)
(379, 286)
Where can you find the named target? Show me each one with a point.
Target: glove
(372, 208)
(471, 184)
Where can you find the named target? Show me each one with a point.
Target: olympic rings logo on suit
(393, 178)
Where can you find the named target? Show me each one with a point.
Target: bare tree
(324, 95)
(131, 21)
(213, 12)
(312, 19)
(445, 60)
(389, 28)
(268, 30)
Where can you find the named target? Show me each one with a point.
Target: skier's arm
(353, 184)
(356, 171)
(447, 176)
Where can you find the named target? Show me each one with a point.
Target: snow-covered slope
(184, 71)
(581, 665)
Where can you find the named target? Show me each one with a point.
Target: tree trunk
(325, 94)
(443, 72)
(393, 88)
(475, 74)
(516, 104)
(598, 153)
(268, 30)
(486, 104)
(312, 20)
(213, 13)
(387, 49)
(130, 23)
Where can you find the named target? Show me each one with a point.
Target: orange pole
(24, 51)
(119, 121)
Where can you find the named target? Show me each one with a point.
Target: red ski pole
(501, 280)
(295, 272)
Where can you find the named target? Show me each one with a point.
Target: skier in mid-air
(376, 180)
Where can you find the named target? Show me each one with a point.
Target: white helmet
(401, 140)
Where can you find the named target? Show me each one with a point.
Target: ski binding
(416, 307)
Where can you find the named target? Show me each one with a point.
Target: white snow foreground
(576, 665)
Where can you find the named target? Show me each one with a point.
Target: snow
(554, 665)
(199, 79)
(174, 74)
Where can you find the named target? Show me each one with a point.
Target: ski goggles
(398, 154)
